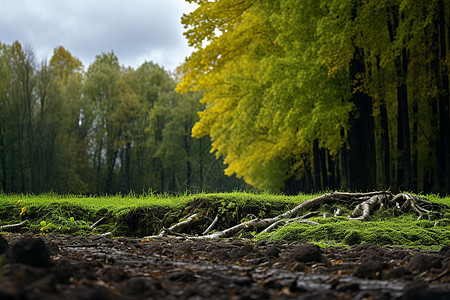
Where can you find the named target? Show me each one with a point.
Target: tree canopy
(305, 95)
(101, 129)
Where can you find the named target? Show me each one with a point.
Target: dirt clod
(422, 262)
(3, 245)
(306, 253)
(29, 251)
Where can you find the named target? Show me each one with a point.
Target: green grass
(131, 215)
(114, 202)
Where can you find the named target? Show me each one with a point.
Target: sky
(136, 30)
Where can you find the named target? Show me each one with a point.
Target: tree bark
(385, 147)
(444, 96)
(316, 166)
(361, 153)
(403, 134)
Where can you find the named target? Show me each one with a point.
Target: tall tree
(318, 78)
(72, 171)
(101, 77)
(22, 64)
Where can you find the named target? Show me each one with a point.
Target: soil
(98, 267)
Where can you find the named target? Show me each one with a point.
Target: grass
(131, 215)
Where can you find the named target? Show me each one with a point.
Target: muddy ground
(77, 267)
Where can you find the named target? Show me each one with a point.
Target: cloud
(136, 30)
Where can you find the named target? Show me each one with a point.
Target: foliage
(100, 130)
(308, 95)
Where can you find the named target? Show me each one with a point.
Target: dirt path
(73, 267)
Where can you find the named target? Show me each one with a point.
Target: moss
(145, 215)
(443, 222)
(399, 231)
(425, 223)
(352, 238)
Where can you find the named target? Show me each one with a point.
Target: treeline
(313, 94)
(109, 129)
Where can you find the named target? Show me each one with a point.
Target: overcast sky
(136, 30)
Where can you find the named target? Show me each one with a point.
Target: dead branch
(13, 226)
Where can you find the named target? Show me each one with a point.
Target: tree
(260, 120)
(303, 93)
(5, 110)
(101, 77)
(73, 114)
(23, 102)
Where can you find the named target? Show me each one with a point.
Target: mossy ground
(131, 215)
(403, 231)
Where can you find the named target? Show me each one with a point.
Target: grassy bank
(131, 215)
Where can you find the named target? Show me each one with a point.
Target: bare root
(13, 226)
(365, 205)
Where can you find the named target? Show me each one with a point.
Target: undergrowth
(403, 231)
(131, 215)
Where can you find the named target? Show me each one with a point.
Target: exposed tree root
(364, 209)
(210, 227)
(366, 204)
(13, 226)
(97, 222)
(174, 229)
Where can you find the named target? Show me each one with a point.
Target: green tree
(263, 108)
(72, 115)
(100, 79)
(23, 103)
(313, 94)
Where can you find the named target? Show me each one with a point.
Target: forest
(105, 129)
(288, 96)
(310, 95)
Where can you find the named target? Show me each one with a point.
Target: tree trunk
(127, 166)
(316, 166)
(111, 161)
(414, 148)
(331, 169)
(385, 147)
(443, 86)
(403, 134)
(98, 165)
(323, 169)
(360, 156)
(187, 148)
(3, 161)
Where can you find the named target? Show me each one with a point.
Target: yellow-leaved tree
(268, 98)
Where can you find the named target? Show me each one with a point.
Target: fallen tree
(365, 205)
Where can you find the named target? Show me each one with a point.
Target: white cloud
(136, 30)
